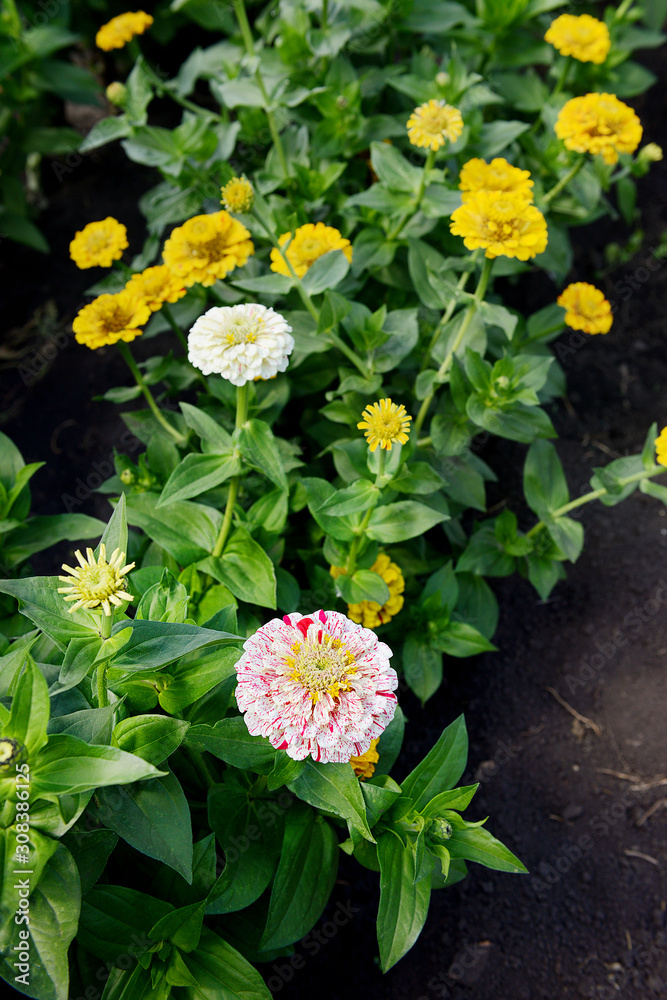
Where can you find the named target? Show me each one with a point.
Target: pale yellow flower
(96, 582)
(433, 124)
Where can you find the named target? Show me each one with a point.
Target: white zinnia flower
(241, 343)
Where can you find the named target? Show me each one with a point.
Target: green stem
(106, 624)
(656, 470)
(557, 188)
(325, 15)
(565, 69)
(234, 483)
(358, 538)
(148, 395)
(169, 316)
(246, 34)
(447, 315)
(428, 166)
(480, 292)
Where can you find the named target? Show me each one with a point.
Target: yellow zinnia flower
(370, 614)
(156, 285)
(110, 318)
(587, 308)
(433, 124)
(502, 223)
(583, 37)
(99, 244)
(122, 29)
(364, 764)
(661, 447)
(238, 195)
(384, 424)
(207, 247)
(498, 175)
(308, 244)
(96, 581)
(599, 124)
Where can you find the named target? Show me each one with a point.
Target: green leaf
(497, 136)
(317, 492)
(258, 447)
(334, 788)
(54, 914)
(196, 474)
(353, 499)
(422, 666)
(461, 639)
(648, 451)
(30, 710)
(655, 490)
(229, 740)
(153, 817)
(187, 530)
(114, 920)
(165, 601)
(304, 880)
(477, 844)
(91, 850)
(151, 737)
(393, 169)
(182, 926)
(441, 768)
(417, 477)
(456, 798)
(42, 604)
(67, 765)
(544, 483)
(208, 429)
(245, 569)
(195, 675)
(327, 272)
(114, 535)
(568, 535)
(403, 903)
(221, 973)
(154, 644)
(396, 522)
(363, 585)
(92, 725)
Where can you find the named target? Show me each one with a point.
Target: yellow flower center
(243, 331)
(321, 665)
(434, 121)
(97, 582)
(114, 318)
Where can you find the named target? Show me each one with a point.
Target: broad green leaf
(422, 666)
(208, 429)
(221, 973)
(461, 639)
(67, 765)
(245, 569)
(182, 926)
(334, 788)
(42, 604)
(115, 920)
(229, 740)
(317, 492)
(441, 768)
(45, 530)
(195, 675)
(477, 844)
(92, 725)
(403, 903)
(304, 880)
(196, 474)
(364, 585)
(351, 500)
(186, 530)
(257, 446)
(456, 798)
(544, 483)
(327, 272)
(153, 817)
(151, 737)
(91, 850)
(114, 535)
(154, 644)
(396, 522)
(30, 710)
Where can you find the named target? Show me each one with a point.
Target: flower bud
(238, 195)
(127, 477)
(11, 753)
(117, 94)
(651, 153)
(439, 831)
(442, 79)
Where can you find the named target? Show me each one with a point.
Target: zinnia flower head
(316, 685)
(583, 37)
(122, 29)
(156, 285)
(599, 124)
(364, 764)
(586, 308)
(110, 318)
(96, 581)
(498, 175)
(308, 244)
(241, 343)
(207, 247)
(370, 614)
(661, 447)
(384, 423)
(99, 244)
(502, 223)
(433, 124)
(238, 195)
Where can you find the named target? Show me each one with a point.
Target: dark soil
(579, 790)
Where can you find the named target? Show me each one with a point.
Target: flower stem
(565, 69)
(169, 316)
(148, 395)
(557, 188)
(480, 292)
(656, 470)
(447, 315)
(106, 624)
(241, 418)
(356, 541)
(428, 166)
(246, 34)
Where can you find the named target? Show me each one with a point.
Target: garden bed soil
(566, 721)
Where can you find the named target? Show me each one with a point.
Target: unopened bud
(651, 153)
(117, 94)
(11, 753)
(442, 79)
(439, 831)
(127, 477)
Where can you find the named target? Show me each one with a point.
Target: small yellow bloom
(599, 124)
(583, 37)
(110, 318)
(308, 244)
(503, 223)
(384, 424)
(433, 124)
(364, 765)
(96, 581)
(117, 93)
(661, 447)
(122, 29)
(238, 195)
(498, 175)
(207, 247)
(99, 244)
(156, 285)
(586, 308)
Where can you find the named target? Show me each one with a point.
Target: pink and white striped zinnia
(317, 685)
